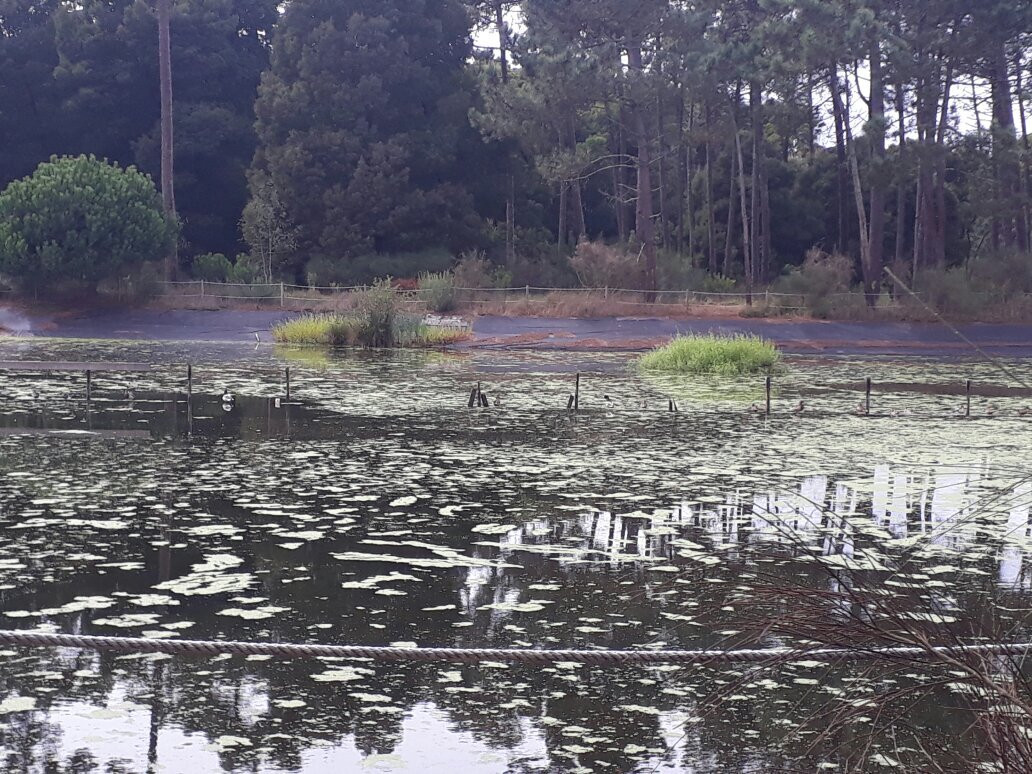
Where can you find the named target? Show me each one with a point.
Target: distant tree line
(338, 140)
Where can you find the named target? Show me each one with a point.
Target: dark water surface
(374, 507)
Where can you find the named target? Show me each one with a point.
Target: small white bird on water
(228, 398)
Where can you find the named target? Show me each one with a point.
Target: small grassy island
(712, 354)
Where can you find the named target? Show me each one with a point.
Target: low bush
(437, 289)
(377, 309)
(474, 270)
(338, 330)
(818, 281)
(332, 330)
(710, 354)
(599, 265)
(212, 267)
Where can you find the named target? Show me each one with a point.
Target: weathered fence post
(202, 288)
(89, 383)
(288, 382)
(281, 294)
(607, 293)
(189, 382)
(768, 394)
(526, 291)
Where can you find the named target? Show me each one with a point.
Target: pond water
(375, 507)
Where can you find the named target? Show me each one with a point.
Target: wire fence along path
(283, 292)
(599, 658)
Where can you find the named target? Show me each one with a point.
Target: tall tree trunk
(621, 173)
(575, 202)
(510, 198)
(854, 168)
(643, 210)
(564, 199)
(1005, 154)
(901, 201)
(747, 252)
(876, 246)
(732, 202)
(710, 225)
(503, 40)
(978, 113)
(664, 223)
(940, 168)
(510, 223)
(755, 237)
(842, 176)
(1026, 173)
(168, 196)
(811, 117)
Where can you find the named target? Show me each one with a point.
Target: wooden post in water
(867, 403)
(576, 394)
(967, 411)
(89, 384)
(189, 382)
(288, 383)
(768, 394)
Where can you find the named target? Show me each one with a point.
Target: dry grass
(588, 304)
(339, 330)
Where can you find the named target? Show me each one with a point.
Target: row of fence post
(189, 382)
(477, 397)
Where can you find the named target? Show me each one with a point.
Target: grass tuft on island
(710, 354)
(339, 330)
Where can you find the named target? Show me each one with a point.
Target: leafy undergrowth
(710, 354)
(338, 330)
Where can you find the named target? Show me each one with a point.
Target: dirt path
(794, 336)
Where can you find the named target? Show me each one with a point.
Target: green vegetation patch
(338, 330)
(710, 354)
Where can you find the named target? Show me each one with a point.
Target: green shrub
(377, 309)
(338, 330)
(80, 219)
(709, 354)
(1002, 276)
(246, 270)
(821, 277)
(716, 283)
(599, 265)
(321, 271)
(473, 270)
(437, 289)
(212, 267)
(951, 292)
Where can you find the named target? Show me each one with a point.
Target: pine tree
(361, 122)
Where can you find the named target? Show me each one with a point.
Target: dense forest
(705, 141)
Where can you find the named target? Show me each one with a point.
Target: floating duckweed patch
(512, 527)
